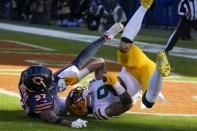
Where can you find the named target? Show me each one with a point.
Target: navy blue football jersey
(35, 102)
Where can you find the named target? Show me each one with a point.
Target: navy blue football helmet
(37, 78)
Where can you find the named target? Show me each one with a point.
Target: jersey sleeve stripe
(99, 115)
(43, 108)
(45, 104)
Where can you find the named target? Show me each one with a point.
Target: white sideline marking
(10, 93)
(30, 45)
(163, 114)
(36, 62)
(43, 62)
(153, 48)
(182, 81)
(15, 49)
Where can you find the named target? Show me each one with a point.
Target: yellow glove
(147, 3)
(110, 79)
(71, 80)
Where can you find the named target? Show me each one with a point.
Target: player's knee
(124, 47)
(100, 60)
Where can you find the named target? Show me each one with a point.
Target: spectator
(37, 8)
(7, 7)
(114, 13)
(128, 6)
(69, 13)
(96, 15)
(167, 13)
(149, 19)
(186, 10)
(63, 12)
(1, 8)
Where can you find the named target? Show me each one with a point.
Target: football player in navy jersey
(38, 86)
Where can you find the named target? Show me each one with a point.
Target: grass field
(12, 117)
(179, 64)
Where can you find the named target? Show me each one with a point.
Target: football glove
(110, 79)
(71, 80)
(79, 123)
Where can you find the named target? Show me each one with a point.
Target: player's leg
(175, 35)
(86, 54)
(91, 50)
(131, 30)
(155, 82)
(154, 88)
(134, 25)
(72, 69)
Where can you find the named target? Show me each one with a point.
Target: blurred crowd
(95, 14)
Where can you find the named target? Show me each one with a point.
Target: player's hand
(71, 80)
(110, 79)
(79, 123)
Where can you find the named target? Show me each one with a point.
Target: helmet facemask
(37, 78)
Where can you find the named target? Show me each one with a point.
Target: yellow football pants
(138, 65)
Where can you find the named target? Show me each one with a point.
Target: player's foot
(147, 3)
(162, 64)
(113, 31)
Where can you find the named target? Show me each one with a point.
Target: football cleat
(163, 65)
(147, 3)
(113, 31)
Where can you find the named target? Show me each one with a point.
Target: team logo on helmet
(77, 102)
(37, 78)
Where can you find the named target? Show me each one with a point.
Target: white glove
(79, 123)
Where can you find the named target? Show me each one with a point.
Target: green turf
(155, 35)
(180, 65)
(12, 117)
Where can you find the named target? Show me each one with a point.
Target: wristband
(119, 88)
